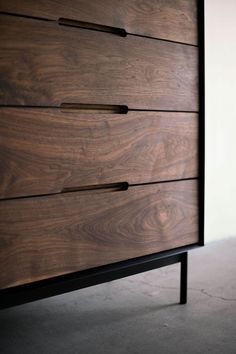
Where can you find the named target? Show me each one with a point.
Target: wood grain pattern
(170, 19)
(44, 64)
(44, 150)
(48, 236)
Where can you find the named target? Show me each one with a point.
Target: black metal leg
(183, 278)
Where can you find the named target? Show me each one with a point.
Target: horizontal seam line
(129, 109)
(163, 39)
(94, 189)
(165, 181)
(26, 16)
(91, 29)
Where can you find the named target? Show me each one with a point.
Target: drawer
(45, 64)
(46, 151)
(43, 237)
(173, 20)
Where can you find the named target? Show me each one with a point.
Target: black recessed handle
(113, 187)
(92, 26)
(94, 108)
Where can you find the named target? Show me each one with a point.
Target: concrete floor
(136, 315)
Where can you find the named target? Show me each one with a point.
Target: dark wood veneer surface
(45, 64)
(170, 19)
(49, 225)
(48, 236)
(44, 150)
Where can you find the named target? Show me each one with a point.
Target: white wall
(220, 27)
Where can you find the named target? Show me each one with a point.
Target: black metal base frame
(45, 288)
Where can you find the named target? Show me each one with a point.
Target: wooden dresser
(101, 141)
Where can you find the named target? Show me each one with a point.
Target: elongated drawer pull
(94, 108)
(120, 186)
(92, 26)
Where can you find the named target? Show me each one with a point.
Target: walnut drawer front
(170, 19)
(45, 64)
(47, 151)
(43, 237)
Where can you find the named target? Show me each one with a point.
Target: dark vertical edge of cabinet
(58, 285)
(201, 149)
